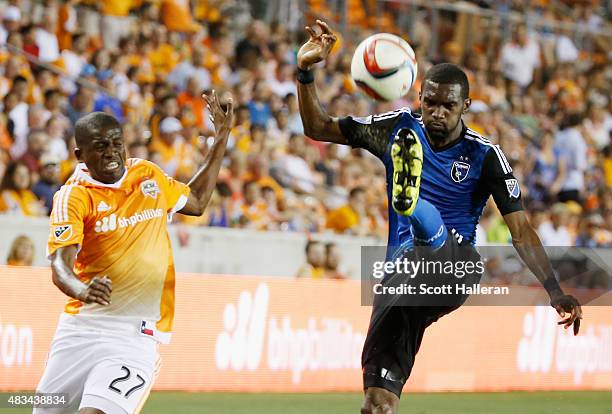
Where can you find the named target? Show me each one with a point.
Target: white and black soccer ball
(384, 67)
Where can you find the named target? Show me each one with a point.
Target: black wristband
(551, 285)
(305, 76)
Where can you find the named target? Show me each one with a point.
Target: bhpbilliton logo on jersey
(110, 223)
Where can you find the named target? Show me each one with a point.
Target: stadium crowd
(544, 97)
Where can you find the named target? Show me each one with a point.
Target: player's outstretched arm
(98, 290)
(318, 125)
(203, 182)
(529, 247)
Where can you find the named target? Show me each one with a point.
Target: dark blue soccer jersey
(457, 180)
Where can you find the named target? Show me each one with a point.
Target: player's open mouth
(113, 165)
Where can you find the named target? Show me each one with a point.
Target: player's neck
(455, 135)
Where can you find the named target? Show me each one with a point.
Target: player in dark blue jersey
(440, 175)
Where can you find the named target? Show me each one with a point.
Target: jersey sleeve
(370, 133)
(70, 209)
(175, 192)
(500, 182)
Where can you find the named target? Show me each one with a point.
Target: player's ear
(466, 105)
(77, 153)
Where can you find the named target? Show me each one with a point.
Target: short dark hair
(19, 78)
(248, 184)
(330, 245)
(448, 73)
(224, 189)
(356, 191)
(94, 120)
(311, 243)
(49, 93)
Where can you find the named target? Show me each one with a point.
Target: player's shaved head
(100, 146)
(86, 127)
(449, 74)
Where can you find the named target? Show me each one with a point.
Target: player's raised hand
(222, 119)
(98, 291)
(567, 304)
(317, 47)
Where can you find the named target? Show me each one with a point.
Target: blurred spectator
(548, 171)
(571, 146)
(314, 267)
(49, 181)
(258, 107)
(555, 232)
(166, 108)
(56, 131)
(173, 152)
(565, 49)
(46, 38)
(597, 127)
(191, 98)
(520, 57)
(253, 46)
(219, 209)
(67, 24)
(105, 100)
(282, 83)
(138, 149)
(81, 104)
(193, 69)
(11, 21)
(292, 168)
(21, 252)
(38, 144)
(75, 58)
(294, 121)
(594, 234)
(253, 211)
(115, 21)
(332, 261)
(15, 195)
(351, 217)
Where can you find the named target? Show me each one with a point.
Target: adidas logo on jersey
(103, 207)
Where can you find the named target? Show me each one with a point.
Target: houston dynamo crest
(149, 188)
(459, 171)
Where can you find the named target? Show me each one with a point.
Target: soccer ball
(384, 67)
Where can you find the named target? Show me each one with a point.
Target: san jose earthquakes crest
(459, 171)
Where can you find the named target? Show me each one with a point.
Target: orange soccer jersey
(121, 231)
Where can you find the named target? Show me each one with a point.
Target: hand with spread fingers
(317, 47)
(222, 119)
(567, 304)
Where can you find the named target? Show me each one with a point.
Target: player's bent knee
(379, 401)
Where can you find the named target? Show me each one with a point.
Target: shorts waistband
(118, 324)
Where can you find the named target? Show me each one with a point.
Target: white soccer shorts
(100, 362)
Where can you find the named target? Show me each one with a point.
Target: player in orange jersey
(110, 253)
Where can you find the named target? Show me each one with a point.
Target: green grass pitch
(349, 403)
